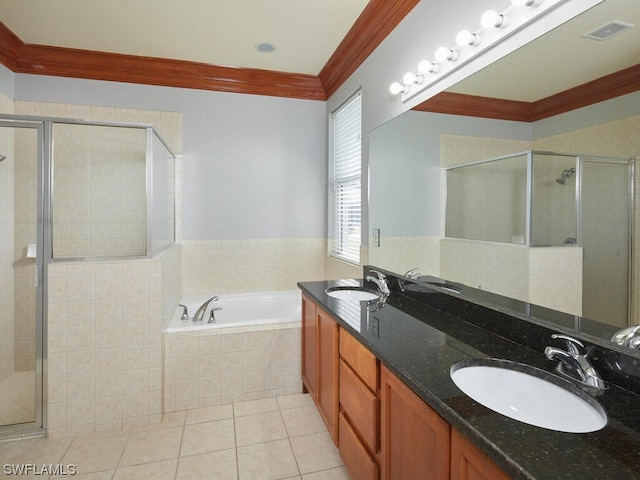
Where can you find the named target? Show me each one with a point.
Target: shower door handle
(37, 276)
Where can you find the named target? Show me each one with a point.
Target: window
(345, 145)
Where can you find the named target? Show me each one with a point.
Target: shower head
(2, 158)
(562, 179)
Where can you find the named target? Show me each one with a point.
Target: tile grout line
(235, 439)
(184, 424)
(295, 459)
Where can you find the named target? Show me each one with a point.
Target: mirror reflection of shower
(562, 179)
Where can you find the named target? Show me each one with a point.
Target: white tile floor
(270, 439)
(17, 398)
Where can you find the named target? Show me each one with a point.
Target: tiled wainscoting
(211, 367)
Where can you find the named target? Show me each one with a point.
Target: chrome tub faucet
(199, 315)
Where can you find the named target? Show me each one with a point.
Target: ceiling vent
(609, 30)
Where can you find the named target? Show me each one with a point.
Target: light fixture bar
(495, 28)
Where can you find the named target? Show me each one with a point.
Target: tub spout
(199, 315)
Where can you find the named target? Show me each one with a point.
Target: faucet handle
(574, 346)
(185, 312)
(380, 275)
(412, 274)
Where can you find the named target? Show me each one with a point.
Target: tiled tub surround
(420, 336)
(209, 367)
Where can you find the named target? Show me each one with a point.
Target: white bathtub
(240, 310)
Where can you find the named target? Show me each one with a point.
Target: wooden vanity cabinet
(320, 344)
(359, 409)
(383, 430)
(415, 441)
(468, 463)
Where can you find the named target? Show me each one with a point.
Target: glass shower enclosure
(69, 191)
(548, 199)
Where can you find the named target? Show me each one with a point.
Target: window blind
(345, 181)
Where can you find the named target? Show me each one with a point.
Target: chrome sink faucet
(380, 281)
(574, 363)
(199, 315)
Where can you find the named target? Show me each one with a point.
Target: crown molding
(67, 62)
(10, 46)
(475, 106)
(376, 21)
(604, 88)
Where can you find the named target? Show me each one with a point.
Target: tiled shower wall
(99, 195)
(105, 341)
(618, 139)
(105, 318)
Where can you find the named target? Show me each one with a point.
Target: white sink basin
(518, 391)
(357, 294)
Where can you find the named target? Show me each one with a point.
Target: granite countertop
(419, 344)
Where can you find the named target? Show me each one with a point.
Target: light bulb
(444, 53)
(410, 78)
(426, 66)
(493, 19)
(397, 88)
(465, 38)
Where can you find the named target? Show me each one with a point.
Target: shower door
(21, 276)
(605, 231)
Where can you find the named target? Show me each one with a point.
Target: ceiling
(218, 32)
(562, 58)
(306, 34)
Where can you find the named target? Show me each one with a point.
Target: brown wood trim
(67, 62)
(373, 25)
(475, 106)
(604, 88)
(10, 46)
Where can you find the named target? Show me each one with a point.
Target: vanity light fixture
(493, 19)
(527, 3)
(466, 38)
(397, 88)
(495, 27)
(411, 78)
(444, 53)
(425, 67)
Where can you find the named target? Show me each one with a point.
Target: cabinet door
(468, 463)
(354, 454)
(415, 441)
(309, 326)
(327, 371)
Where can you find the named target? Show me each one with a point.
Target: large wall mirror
(566, 176)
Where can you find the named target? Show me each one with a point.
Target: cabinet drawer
(354, 455)
(361, 360)
(360, 405)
